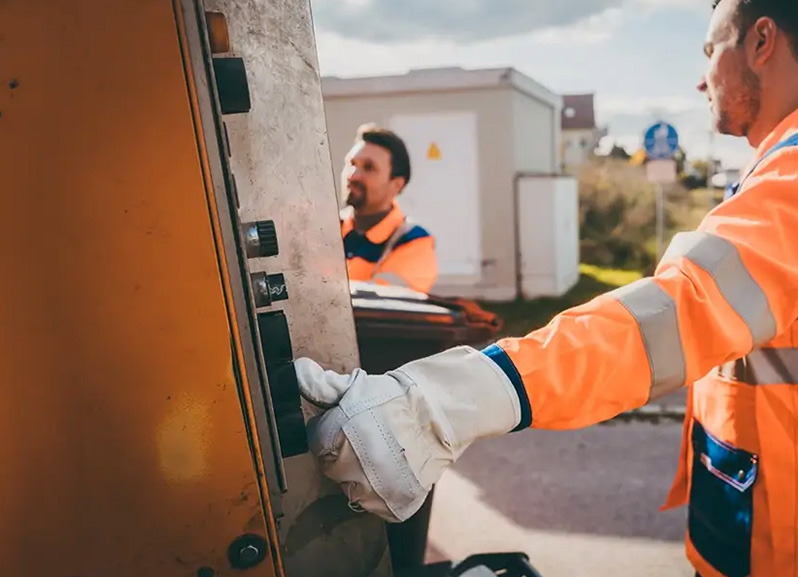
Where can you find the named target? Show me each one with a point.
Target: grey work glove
(386, 439)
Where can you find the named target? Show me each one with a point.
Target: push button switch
(268, 288)
(283, 384)
(232, 85)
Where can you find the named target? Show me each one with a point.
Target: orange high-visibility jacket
(719, 315)
(393, 252)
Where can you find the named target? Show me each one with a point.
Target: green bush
(617, 207)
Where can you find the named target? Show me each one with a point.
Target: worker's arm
(721, 290)
(411, 264)
(718, 292)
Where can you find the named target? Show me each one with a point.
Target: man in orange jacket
(718, 316)
(381, 245)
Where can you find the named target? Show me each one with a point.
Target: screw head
(247, 551)
(249, 554)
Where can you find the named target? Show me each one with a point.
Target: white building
(485, 153)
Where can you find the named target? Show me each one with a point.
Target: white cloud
(340, 56)
(596, 49)
(700, 5)
(349, 56)
(596, 28)
(468, 21)
(610, 104)
(401, 21)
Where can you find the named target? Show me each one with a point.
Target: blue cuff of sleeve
(498, 356)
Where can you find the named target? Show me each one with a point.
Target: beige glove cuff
(470, 396)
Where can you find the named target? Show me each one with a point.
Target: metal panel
(443, 194)
(125, 450)
(281, 159)
(547, 222)
(205, 94)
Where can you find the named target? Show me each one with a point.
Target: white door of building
(443, 195)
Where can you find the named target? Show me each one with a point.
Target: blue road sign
(661, 141)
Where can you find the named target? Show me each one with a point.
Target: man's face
(733, 89)
(366, 178)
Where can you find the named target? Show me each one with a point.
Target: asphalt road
(580, 503)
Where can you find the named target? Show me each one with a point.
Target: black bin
(394, 326)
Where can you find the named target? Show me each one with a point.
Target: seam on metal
(721, 260)
(655, 313)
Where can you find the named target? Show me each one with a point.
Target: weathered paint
(281, 159)
(123, 443)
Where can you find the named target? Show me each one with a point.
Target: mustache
(356, 186)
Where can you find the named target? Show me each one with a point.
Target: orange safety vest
(743, 516)
(719, 316)
(393, 252)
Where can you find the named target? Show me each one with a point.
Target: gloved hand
(386, 439)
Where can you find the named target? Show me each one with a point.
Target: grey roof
(438, 80)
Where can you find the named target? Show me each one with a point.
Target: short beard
(738, 116)
(356, 201)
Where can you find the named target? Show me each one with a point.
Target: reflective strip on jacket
(719, 315)
(411, 262)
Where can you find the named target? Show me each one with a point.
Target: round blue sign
(661, 141)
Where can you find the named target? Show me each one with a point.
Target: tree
(680, 156)
(698, 177)
(701, 168)
(619, 152)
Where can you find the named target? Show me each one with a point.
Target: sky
(641, 58)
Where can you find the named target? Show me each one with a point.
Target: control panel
(259, 240)
(255, 241)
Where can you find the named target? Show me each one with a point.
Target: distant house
(580, 135)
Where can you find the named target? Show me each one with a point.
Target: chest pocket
(721, 507)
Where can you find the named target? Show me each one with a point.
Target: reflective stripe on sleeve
(655, 313)
(721, 260)
(764, 367)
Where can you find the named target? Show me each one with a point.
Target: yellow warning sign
(433, 152)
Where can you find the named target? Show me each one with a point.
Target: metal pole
(660, 219)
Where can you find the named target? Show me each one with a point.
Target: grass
(521, 317)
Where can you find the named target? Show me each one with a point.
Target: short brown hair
(389, 140)
(783, 12)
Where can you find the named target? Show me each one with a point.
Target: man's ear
(762, 40)
(398, 184)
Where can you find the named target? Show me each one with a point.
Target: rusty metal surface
(122, 436)
(281, 159)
